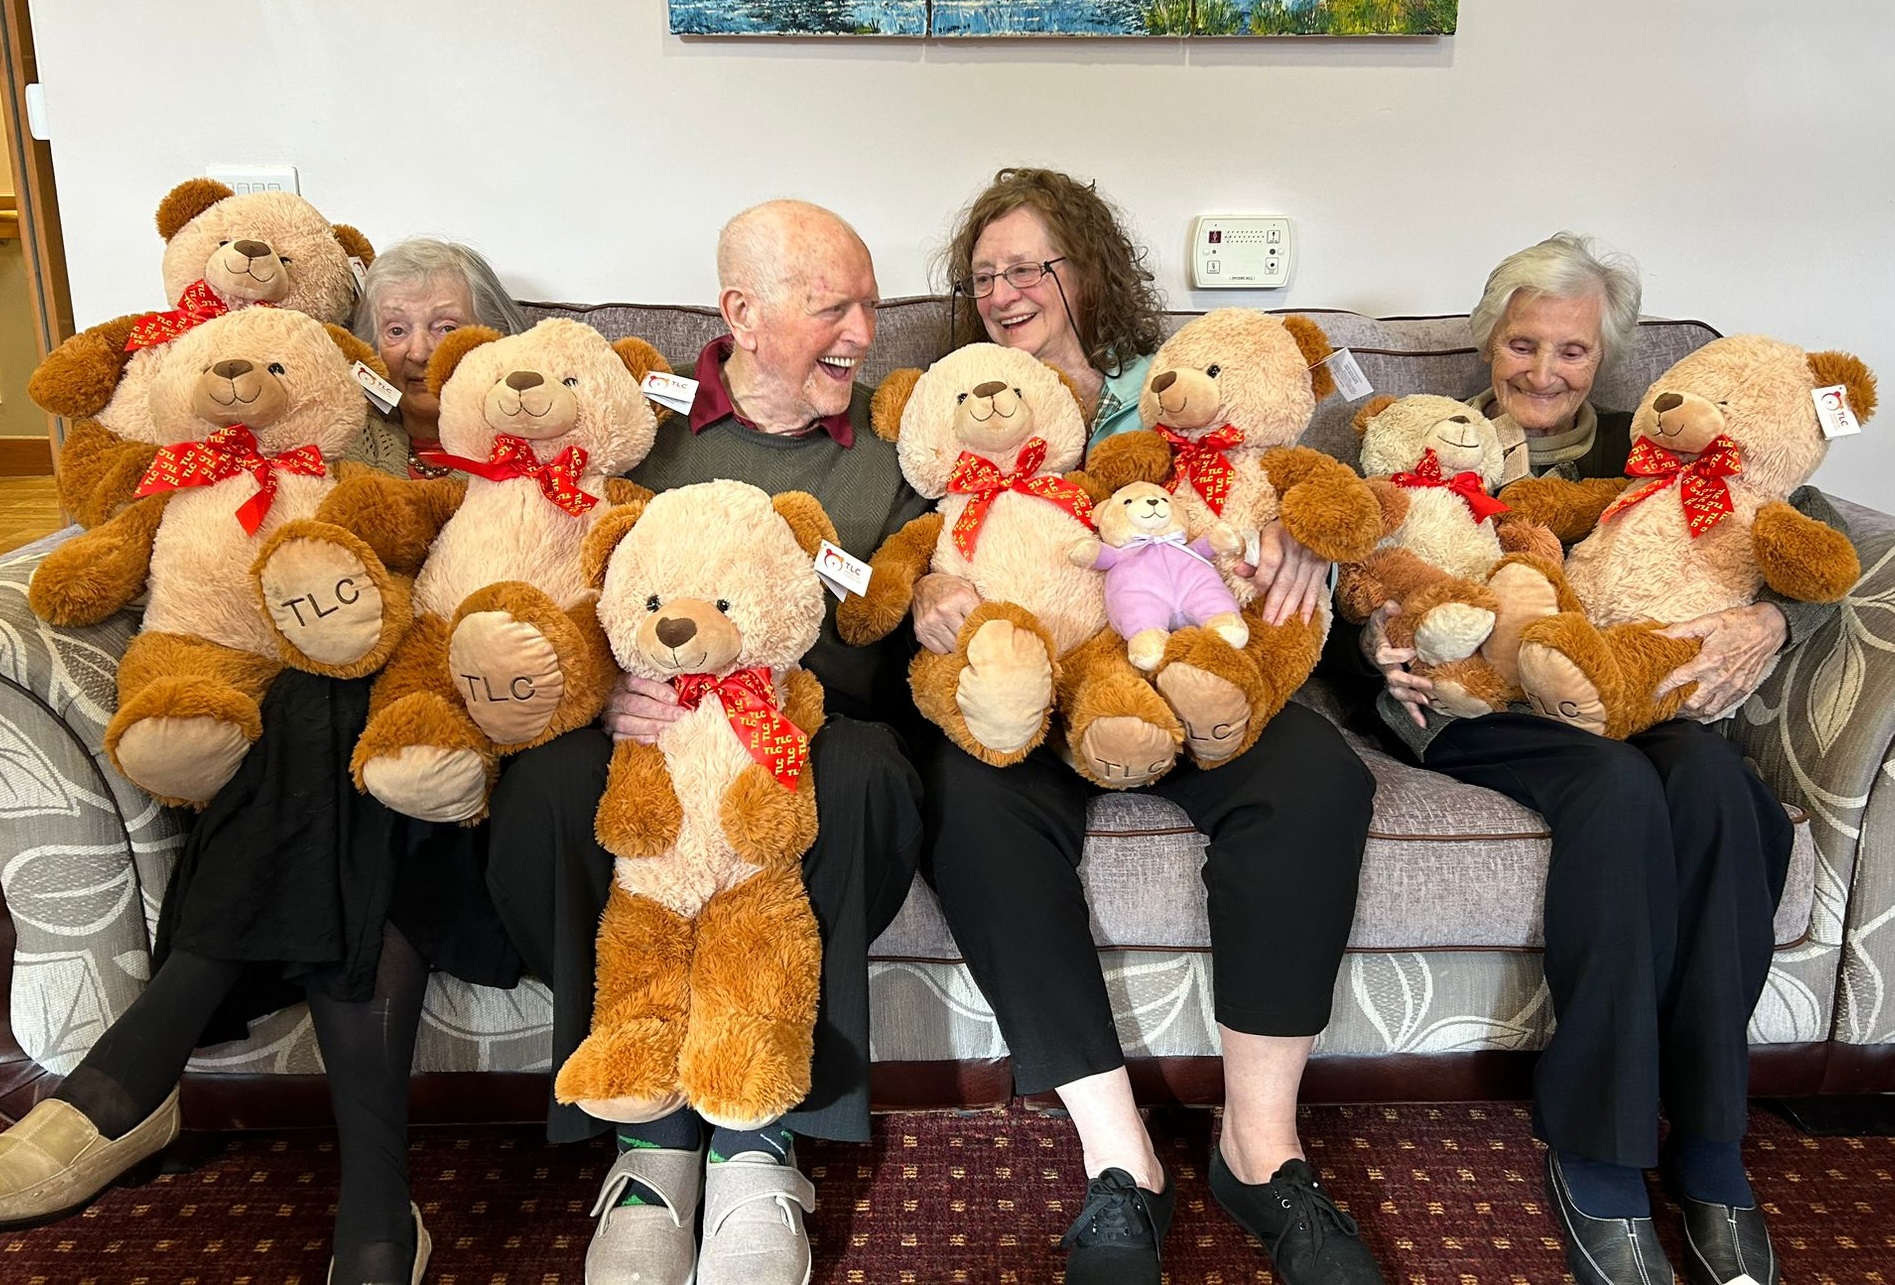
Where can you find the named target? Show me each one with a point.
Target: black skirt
(293, 869)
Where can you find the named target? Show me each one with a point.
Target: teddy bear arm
(78, 378)
(99, 571)
(767, 824)
(1122, 459)
(1324, 505)
(1570, 510)
(903, 559)
(397, 519)
(99, 472)
(1803, 558)
(803, 703)
(1393, 501)
(639, 814)
(622, 490)
(1523, 535)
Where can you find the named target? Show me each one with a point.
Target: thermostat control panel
(1241, 253)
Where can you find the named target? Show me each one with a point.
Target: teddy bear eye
(284, 259)
(223, 243)
(1018, 393)
(723, 604)
(651, 603)
(571, 381)
(276, 368)
(1212, 370)
(959, 398)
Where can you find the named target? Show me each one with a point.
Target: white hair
(422, 259)
(1564, 266)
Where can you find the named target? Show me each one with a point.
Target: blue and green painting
(1064, 17)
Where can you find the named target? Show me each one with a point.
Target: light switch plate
(244, 179)
(1231, 252)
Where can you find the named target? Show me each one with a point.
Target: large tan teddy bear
(252, 406)
(1227, 398)
(222, 252)
(709, 957)
(989, 431)
(1431, 461)
(1701, 524)
(505, 651)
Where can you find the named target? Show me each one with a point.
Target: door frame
(48, 290)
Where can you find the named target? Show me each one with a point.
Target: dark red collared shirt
(712, 401)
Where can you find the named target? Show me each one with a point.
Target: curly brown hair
(1116, 308)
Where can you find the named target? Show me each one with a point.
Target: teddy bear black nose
(990, 388)
(521, 380)
(232, 369)
(250, 249)
(676, 631)
(1163, 380)
(1667, 401)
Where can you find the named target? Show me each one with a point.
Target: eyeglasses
(1021, 276)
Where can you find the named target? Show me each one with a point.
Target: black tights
(368, 1049)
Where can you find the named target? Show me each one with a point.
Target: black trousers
(1669, 855)
(1287, 821)
(549, 877)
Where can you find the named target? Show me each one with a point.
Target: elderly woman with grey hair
(414, 294)
(1669, 852)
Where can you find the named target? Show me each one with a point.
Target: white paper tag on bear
(843, 574)
(1350, 381)
(359, 270)
(673, 392)
(1253, 546)
(1833, 413)
(378, 390)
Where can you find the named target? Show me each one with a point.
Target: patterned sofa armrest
(1822, 732)
(84, 854)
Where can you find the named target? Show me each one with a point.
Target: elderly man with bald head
(776, 406)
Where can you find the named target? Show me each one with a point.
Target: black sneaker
(1309, 1240)
(1116, 1238)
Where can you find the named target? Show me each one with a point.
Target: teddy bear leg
(754, 984)
(1217, 693)
(1119, 732)
(1570, 675)
(526, 669)
(1466, 688)
(993, 695)
(1230, 626)
(626, 1069)
(1528, 588)
(420, 753)
(187, 714)
(1146, 648)
(331, 604)
(1450, 619)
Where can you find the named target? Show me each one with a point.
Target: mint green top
(1118, 402)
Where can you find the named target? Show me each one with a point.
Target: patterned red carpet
(1447, 1195)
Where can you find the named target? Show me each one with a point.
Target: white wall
(1739, 148)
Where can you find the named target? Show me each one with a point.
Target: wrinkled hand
(942, 605)
(1291, 579)
(1412, 690)
(1737, 645)
(640, 709)
(420, 415)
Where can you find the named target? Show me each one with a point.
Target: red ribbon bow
(1705, 494)
(1466, 485)
(981, 478)
(513, 457)
(197, 305)
(226, 453)
(749, 700)
(1203, 464)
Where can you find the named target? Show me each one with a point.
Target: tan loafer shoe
(647, 1244)
(753, 1223)
(54, 1161)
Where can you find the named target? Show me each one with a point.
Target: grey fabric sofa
(1440, 997)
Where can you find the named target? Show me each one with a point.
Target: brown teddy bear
(1700, 524)
(505, 651)
(1228, 396)
(1155, 579)
(709, 958)
(222, 251)
(1430, 461)
(988, 431)
(252, 405)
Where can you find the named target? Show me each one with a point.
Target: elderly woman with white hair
(416, 293)
(1669, 852)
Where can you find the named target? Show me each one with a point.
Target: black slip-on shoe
(1117, 1237)
(1725, 1243)
(1606, 1251)
(1310, 1241)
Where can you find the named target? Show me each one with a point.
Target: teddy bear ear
(807, 520)
(1314, 345)
(1857, 380)
(353, 243)
(455, 345)
(186, 201)
(354, 349)
(640, 357)
(890, 400)
(1370, 409)
(595, 553)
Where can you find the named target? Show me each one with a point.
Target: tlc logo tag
(843, 574)
(1833, 413)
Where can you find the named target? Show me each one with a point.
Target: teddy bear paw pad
(324, 599)
(186, 759)
(1452, 631)
(1126, 752)
(1558, 688)
(508, 673)
(429, 783)
(1215, 712)
(1006, 690)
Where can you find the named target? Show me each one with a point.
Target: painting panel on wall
(799, 17)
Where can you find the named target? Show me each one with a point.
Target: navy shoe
(1606, 1251)
(1117, 1237)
